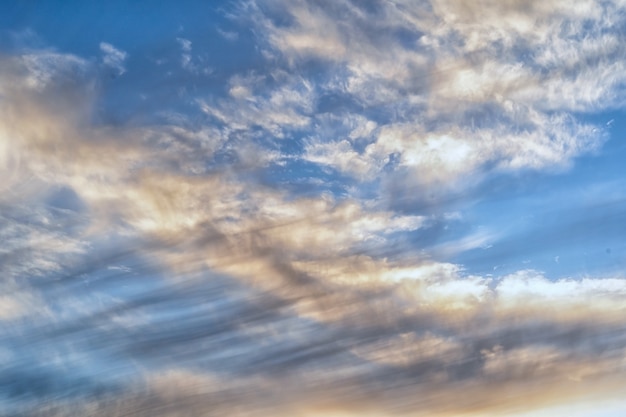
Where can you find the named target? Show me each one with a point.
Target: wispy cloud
(496, 87)
(113, 57)
(185, 45)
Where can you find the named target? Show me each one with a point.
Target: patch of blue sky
(563, 223)
(26, 384)
(306, 179)
(159, 75)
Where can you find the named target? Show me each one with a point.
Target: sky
(313, 208)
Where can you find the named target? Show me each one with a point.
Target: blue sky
(273, 207)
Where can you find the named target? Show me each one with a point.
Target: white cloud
(529, 290)
(446, 156)
(277, 111)
(44, 68)
(229, 36)
(185, 46)
(494, 81)
(113, 57)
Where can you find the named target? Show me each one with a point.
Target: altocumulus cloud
(160, 268)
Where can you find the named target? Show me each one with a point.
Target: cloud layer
(178, 267)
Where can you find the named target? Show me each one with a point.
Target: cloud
(498, 87)
(185, 46)
(445, 157)
(254, 103)
(252, 354)
(113, 57)
(208, 289)
(229, 36)
(523, 289)
(42, 68)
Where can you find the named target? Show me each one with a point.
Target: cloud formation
(168, 251)
(113, 57)
(497, 87)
